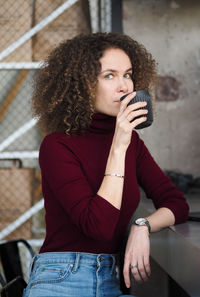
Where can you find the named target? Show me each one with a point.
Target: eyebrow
(112, 70)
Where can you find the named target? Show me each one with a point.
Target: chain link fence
(29, 30)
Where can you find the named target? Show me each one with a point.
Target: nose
(122, 85)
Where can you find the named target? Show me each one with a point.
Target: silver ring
(134, 266)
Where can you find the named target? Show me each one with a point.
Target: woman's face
(114, 81)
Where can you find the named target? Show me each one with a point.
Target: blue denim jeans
(70, 274)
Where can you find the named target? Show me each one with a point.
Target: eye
(128, 75)
(109, 76)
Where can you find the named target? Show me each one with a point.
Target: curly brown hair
(65, 87)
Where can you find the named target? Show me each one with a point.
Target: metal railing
(19, 136)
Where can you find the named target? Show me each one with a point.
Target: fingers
(138, 121)
(128, 98)
(132, 111)
(134, 117)
(135, 273)
(134, 114)
(127, 108)
(140, 271)
(142, 275)
(147, 265)
(126, 273)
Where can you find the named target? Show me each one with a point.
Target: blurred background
(30, 29)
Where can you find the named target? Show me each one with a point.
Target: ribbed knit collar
(102, 124)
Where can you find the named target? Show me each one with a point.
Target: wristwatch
(143, 222)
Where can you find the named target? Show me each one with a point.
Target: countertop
(177, 249)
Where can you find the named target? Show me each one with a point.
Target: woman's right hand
(111, 188)
(126, 122)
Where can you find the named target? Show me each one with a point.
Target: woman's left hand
(137, 255)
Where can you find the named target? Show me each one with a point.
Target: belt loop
(113, 264)
(32, 264)
(76, 264)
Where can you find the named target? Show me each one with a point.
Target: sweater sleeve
(158, 186)
(61, 170)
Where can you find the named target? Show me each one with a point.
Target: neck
(102, 123)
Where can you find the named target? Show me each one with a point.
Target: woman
(92, 163)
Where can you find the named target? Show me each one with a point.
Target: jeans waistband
(75, 259)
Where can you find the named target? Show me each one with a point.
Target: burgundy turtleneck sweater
(72, 167)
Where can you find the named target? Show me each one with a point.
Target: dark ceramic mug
(142, 95)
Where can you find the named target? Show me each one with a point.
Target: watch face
(140, 221)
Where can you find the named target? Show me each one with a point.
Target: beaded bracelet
(114, 174)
